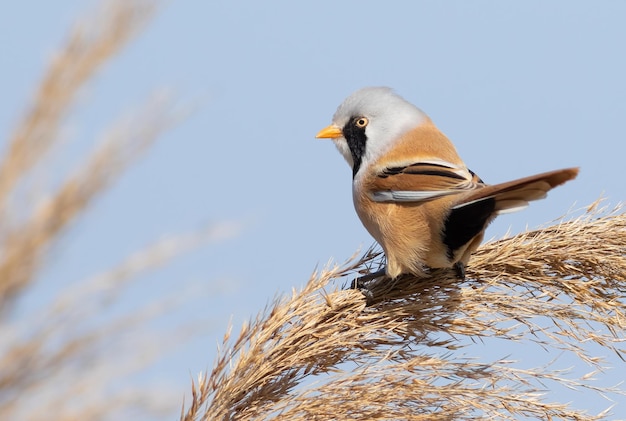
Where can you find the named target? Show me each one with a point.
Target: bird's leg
(366, 283)
(459, 268)
(361, 281)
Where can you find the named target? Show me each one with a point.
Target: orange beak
(330, 132)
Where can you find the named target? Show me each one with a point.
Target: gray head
(368, 122)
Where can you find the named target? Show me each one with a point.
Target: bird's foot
(367, 283)
(459, 268)
(362, 281)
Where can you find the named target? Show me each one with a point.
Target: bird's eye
(361, 122)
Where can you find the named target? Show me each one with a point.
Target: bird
(413, 192)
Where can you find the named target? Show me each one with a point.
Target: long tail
(468, 218)
(515, 195)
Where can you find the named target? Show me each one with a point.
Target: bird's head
(368, 123)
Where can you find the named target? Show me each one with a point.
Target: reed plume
(401, 352)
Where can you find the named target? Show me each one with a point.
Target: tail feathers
(515, 195)
(510, 206)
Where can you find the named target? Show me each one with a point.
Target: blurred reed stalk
(25, 239)
(61, 360)
(329, 353)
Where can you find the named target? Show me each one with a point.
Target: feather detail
(423, 180)
(515, 195)
(409, 196)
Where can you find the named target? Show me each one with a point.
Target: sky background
(519, 87)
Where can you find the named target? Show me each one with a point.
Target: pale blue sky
(520, 87)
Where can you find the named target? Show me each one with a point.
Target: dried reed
(396, 355)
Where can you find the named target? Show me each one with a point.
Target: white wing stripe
(409, 195)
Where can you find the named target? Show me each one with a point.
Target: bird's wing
(422, 181)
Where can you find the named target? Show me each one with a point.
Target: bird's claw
(459, 268)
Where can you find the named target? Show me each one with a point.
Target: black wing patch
(466, 222)
(422, 168)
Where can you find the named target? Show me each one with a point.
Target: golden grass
(330, 353)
